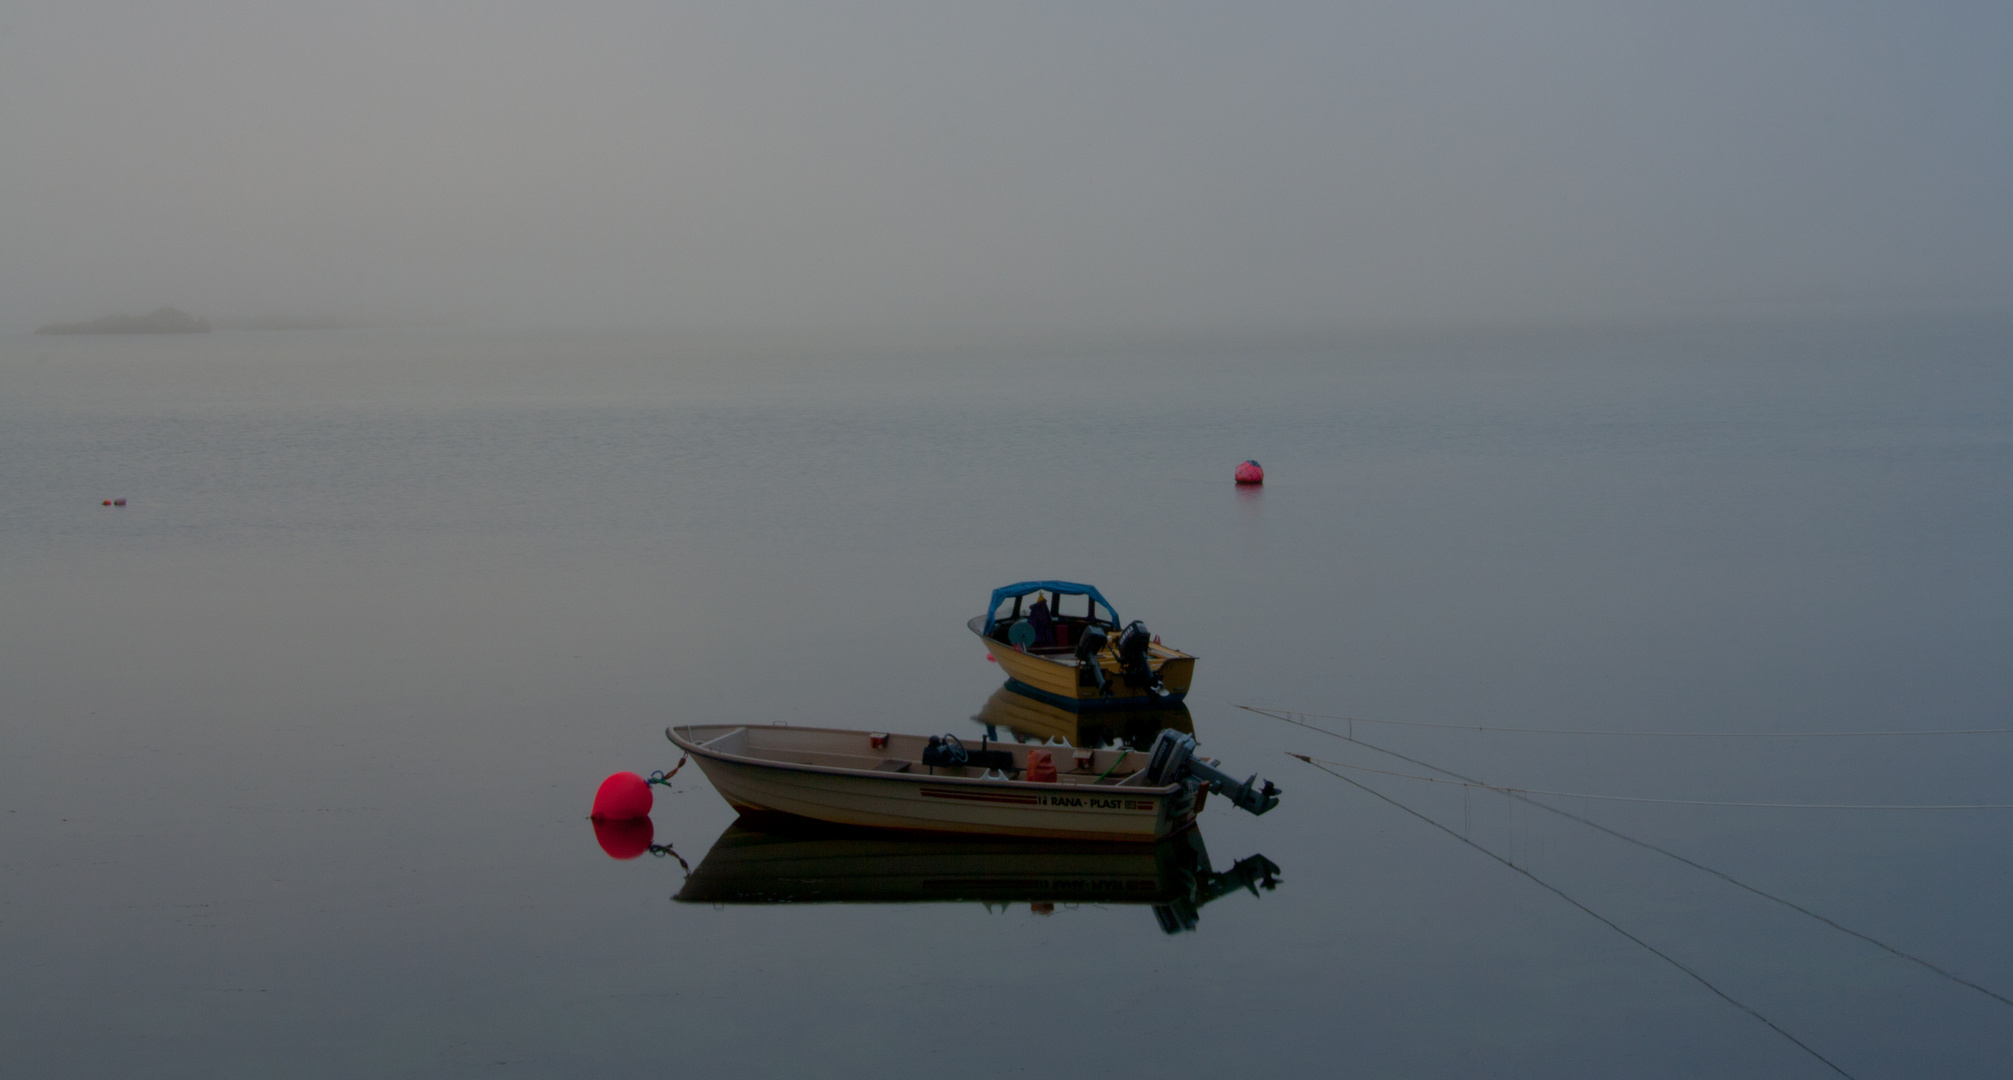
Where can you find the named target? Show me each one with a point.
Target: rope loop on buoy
(662, 777)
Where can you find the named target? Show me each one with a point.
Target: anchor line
(1660, 802)
(1354, 720)
(1469, 781)
(659, 776)
(1646, 845)
(1604, 920)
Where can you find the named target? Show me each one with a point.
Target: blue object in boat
(1064, 588)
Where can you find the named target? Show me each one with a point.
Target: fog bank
(1055, 167)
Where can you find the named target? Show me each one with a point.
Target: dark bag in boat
(947, 752)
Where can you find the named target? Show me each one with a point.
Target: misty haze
(409, 411)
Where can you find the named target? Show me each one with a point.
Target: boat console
(948, 751)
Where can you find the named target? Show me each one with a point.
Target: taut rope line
(1721, 874)
(1609, 923)
(1662, 802)
(1353, 720)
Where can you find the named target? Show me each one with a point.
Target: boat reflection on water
(1030, 720)
(758, 861)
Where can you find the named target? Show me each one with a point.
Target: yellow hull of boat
(1036, 719)
(1055, 679)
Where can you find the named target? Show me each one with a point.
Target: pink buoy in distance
(622, 797)
(1251, 472)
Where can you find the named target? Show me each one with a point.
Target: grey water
(297, 747)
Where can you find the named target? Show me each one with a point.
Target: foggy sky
(1038, 166)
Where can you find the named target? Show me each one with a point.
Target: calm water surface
(296, 748)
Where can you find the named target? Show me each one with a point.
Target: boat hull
(748, 767)
(1031, 718)
(1056, 680)
(784, 866)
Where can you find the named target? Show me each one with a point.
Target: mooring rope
(1721, 874)
(661, 850)
(659, 776)
(1282, 714)
(1609, 923)
(1663, 802)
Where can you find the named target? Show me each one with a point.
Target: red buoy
(108, 502)
(622, 797)
(1251, 472)
(624, 839)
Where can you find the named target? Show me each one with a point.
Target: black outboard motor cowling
(1088, 646)
(1133, 642)
(1091, 643)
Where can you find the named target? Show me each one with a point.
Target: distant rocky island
(167, 320)
(290, 322)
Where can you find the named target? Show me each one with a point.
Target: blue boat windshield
(1093, 600)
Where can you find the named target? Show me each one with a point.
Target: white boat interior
(875, 752)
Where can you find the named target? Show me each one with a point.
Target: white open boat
(938, 785)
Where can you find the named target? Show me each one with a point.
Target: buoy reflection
(625, 838)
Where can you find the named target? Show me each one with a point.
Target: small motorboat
(774, 863)
(938, 784)
(1062, 643)
(1030, 719)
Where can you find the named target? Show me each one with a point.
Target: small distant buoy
(1251, 472)
(623, 797)
(118, 502)
(624, 839)
(108, 502)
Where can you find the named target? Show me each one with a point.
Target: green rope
(1108, 771)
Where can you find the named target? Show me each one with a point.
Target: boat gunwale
(1068, 659)
(834, 770)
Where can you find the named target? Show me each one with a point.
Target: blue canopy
(1064, 588)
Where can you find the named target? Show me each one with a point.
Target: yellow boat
(1062, 643)
(1031, 719)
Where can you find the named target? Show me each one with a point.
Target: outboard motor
(1184, 861)
(1132, 651)
(1088, 646)
(1253, 873)
(1174, 759)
